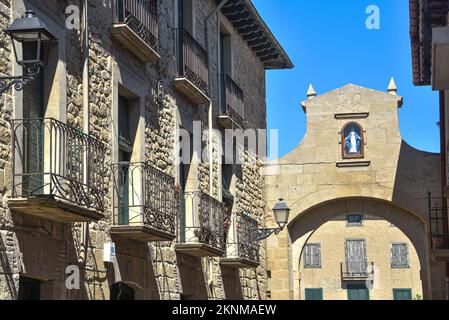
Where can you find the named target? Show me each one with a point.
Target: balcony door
(356, 260)
(358, 291)
(33, 136)
(185, 156)
(185, 21)
(125, 153)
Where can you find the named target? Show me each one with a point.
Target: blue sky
(330, 46)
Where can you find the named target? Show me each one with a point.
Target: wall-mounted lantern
(30, 36)
(281, 214)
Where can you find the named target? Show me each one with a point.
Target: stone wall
(155, 270)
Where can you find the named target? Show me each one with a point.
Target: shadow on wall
(417, 173)
(7, 271)
(231, 283)
(192, 278)
(46, 248)
(135, 269)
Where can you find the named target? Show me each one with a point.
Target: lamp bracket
(19, 82)
(263, 234)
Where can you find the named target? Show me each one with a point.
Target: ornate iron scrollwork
(71, 170)
(19, 82)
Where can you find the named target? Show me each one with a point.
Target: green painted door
(402, 294)
(314, 294)
(357, 292)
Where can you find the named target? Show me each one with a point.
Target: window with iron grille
(312, 255)
(354, 220)
(399, 255)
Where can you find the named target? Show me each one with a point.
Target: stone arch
(410, 223)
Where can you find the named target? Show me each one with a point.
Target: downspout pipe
(210, 111)
(444, 167)
(86, 112)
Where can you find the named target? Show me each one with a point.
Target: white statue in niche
(353, 142)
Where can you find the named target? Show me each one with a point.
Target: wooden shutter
(358, 292)
(307, 256)
(399, 255)
(402, 294)
(312, 255)
(314, 294)
(356, 260)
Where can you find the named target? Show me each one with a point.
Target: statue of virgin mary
(353, 142)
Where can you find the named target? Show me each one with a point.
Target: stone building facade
(429, 23)
(353, 160)
(393, 265)
(101, 171)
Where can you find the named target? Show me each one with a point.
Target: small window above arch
(352, 141)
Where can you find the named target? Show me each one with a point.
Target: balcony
(438, 229)
(192, 79)
(201, 221)
(242, 248)
(135, 26)
(231, 106)
(57, 171)
(357, 271)
(145, 203)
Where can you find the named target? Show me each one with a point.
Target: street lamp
(281, 213)
(29, 35)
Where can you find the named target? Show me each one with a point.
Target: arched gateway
(341, 169)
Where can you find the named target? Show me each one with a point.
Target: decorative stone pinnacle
(392, 88)
(311, 92)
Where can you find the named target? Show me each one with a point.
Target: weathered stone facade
(389, 180)
(86, 99)
(382, 277)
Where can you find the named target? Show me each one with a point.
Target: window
(186, 20)
(225, 54)
(357, 291)
(356, 259)
(399, 255)
(354, 220)
(312, 255)
(402, 294)
(314, 294)
(352, 141)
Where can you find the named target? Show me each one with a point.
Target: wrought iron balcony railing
(232, 104)
(438, 223)
(357, 271)
(242, 243)
(141, 17)
(53, 159)
(192, 60)
(144, 196)
(201, 220)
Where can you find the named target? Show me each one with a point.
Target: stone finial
(392, 88)
(311, 92)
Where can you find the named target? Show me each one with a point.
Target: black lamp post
(29, 34)
(281, 214)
